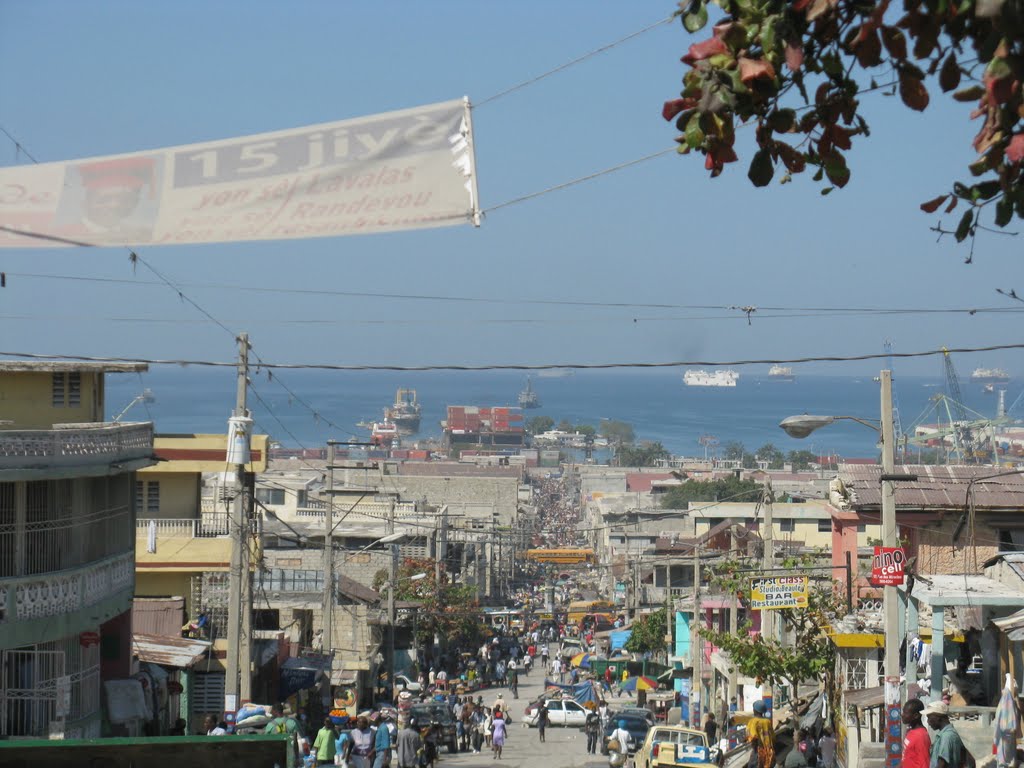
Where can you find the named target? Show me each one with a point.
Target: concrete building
(67, 512)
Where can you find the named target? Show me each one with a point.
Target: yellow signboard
(774, 592)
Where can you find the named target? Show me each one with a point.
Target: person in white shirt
(213, 728)
(621, 735)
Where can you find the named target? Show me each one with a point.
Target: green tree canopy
(565, 426)
(617, 431)
(733, 450)
(768, 452)
(712, 490)
(648, 633)
(643, 455)
(585, 429)
(538, 424)
(796, 70)
(801, 459)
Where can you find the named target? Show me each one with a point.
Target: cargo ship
(528, 398)
(702, 378)
(405, 413)
(990, 376)
(781, 373)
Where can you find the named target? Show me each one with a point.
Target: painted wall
(179, 494)
(177, 552)
(26, 398)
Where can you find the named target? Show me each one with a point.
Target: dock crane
(901, 445)
(964, 440)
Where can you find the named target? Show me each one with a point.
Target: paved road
(564, 748)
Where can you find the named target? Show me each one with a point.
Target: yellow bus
(580, 608)
(576, 556)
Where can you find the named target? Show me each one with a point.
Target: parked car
(561, 712)
(439, 714)
(636, 712)
(405, 683)
(636, 726)
(673, 745)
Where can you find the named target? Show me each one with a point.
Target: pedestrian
(213, 727)
(917, 744)
(513, 681)
(543, 718)
(477, 721)
(618, 746)
(361, 750)
(711, 729)
(593, 731)
(488, 727)
(761, 733)
(827, 743)
(324, 746)
(382, 746)
(948, 750)
(796, 757)
(179, 727)
(409, 745)
(500, 733)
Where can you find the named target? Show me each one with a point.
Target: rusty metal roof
(180, 652)
(936, 487)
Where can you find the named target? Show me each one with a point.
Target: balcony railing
(75, 445)
(316, 509)
(207, 526)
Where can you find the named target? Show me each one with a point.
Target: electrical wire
(520, 366)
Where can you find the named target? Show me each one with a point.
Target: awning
(874, 697)
(347, 677)
(180, 652)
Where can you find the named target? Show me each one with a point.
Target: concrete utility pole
(328, 602)
(238, 650)
(734, 622)
(767, 616)
(890, 595)
(697, 645)
(392, 579)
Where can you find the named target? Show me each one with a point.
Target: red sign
(887, 566)
(89, 638)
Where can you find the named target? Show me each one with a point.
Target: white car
(561, 712)
(403, 683)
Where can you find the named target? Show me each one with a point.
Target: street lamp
(801, 427)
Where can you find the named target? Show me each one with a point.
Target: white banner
(411, 169)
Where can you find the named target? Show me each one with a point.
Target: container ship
(781, 373)
(990, 376)
(701, 378)
(528, 398)
(405, 413)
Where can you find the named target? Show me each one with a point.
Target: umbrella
(581, 660)
(639, 683)
(1007, 725)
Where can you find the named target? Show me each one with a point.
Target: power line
(522, 366)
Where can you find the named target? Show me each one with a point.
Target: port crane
(709, 442)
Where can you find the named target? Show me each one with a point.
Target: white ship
(704, 378)
(781, 373)
(987, 375)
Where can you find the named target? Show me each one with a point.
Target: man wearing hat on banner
(113, 192)
(948, 750)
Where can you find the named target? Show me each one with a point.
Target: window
(147, 497)
(787, 526)
(66, 390)
(58, 390)
(862, 528)
(273, 496)
(825, 526)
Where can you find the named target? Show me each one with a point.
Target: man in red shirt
(916, 744)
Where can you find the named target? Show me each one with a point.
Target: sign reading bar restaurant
(775, 592)
(887, 566)
(411, 169)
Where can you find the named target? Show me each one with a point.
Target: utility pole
(392, 579)
(890, 595)
(768, 617)
(697, 645)
(238, 453)
(328, 606)
(734, 621)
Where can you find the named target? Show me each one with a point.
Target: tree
(648, 633)
(796, 69)
(617, 431)
(539, 424)
(811, 655)
(801, 459)
(733, 450)
(772, 455)
(645, 455)
(585, 429)
(693, 491)
(565, 426)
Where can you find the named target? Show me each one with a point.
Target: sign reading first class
(777, 592)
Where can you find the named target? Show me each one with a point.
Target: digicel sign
(887, 566)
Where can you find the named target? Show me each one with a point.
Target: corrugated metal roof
(966, 590)
(162, 616)
(936, 487)
(180, 652)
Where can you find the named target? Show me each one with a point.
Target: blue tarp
(619, 638)
(581, 692)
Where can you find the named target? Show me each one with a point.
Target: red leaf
(752, 69)
(952, 204)
(933, 205)
(1015, 149)
(673, 108)
(840, 137)
(1000, 90)
(704, 50)
(794, 55)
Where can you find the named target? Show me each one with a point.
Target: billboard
(775, 592)
(887, 566)
(410, 169)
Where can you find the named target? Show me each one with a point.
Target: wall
(182, 553)
(179, 494)
(936, 553)
(503, 492)
(26, 399)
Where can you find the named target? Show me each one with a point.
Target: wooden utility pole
(328, 599)
(238, 675)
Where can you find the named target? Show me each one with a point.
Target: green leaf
(986, 190)
(782, 120)
(836, 170)
(695, 20)
(826, 191)
(694, 134)
(964, 228)
(1004, 212)
(973, 93)
(762, 169)
(819, 174)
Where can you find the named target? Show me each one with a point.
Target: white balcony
(75, 445)
(208, 526)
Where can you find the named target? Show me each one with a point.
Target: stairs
(872, 755)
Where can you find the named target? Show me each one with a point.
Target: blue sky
(84, 79)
